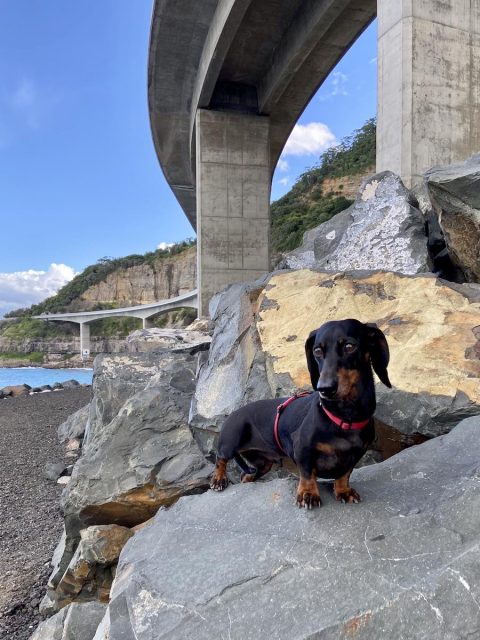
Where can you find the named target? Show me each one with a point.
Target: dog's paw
(350, 496)
(307, 500)
(219, 483)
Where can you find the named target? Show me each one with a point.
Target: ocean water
(37, 376)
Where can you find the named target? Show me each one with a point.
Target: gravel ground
(30, 518)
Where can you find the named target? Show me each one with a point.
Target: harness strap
(280, 408)
(345, 426)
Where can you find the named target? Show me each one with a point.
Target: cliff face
(160, 279)
(347, 186)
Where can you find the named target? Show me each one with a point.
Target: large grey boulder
(383, 229)
(78, 621)
(247, 564)
(318, 242)
(74, 426)
(233, 372)
(140, 453)
(455, 194)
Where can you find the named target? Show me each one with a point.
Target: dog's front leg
(219, 480)
(308, 495)
(343, 491)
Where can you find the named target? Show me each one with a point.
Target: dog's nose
(328, 388)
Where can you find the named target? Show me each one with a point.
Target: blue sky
(79, 178)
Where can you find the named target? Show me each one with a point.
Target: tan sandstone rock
(99, 548)
(432, 328)
(429, 326)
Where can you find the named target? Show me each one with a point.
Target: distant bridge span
(143, 311)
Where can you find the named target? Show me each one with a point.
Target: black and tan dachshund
(326, 433)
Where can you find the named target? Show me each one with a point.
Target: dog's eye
(349, 347)
(318, 352)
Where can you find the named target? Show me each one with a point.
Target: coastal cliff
(142, 284)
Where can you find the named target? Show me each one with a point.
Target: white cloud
(23, 288)
(165, 245)
(282, 165)
(373, 61)
(284, 181)
(309, 139)
(338, 86)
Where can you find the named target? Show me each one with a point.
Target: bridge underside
(228, 79)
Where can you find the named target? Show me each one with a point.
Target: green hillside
(306, 205)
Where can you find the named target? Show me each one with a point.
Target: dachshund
(325, 432)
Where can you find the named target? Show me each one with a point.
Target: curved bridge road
(143, 311)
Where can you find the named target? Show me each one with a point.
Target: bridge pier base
(428, 84)
(84, 339)
(233, 200)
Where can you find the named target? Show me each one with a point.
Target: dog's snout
(327, 388)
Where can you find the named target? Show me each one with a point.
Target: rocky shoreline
(18, 390)
(29, 502)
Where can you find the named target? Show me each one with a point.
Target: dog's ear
(311, 362)
(379, 352)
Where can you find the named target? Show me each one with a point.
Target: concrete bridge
(143, 311)
(228, 79)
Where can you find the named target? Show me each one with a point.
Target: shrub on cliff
(306, 206)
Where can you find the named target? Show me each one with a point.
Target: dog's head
(339, 355)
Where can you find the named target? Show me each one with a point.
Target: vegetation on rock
(306, 205)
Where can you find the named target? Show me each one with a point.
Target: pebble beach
(30, 522)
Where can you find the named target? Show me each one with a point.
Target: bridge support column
(233, 200)
(428, 84)
(147, 323)
(84, 339)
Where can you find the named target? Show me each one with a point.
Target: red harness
(346, 426)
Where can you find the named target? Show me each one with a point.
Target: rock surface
(233, 372)
(75, 622)
(74, 426)
(163, 278)
(404, 563)
(455, 194)
(431, 326)
(139, 452)
(381, 230)
(176, 340)
(87, 574)
(16, 390)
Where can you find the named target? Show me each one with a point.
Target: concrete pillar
(84, 340)
(147, 323)
(428, 84)
(233, 200)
